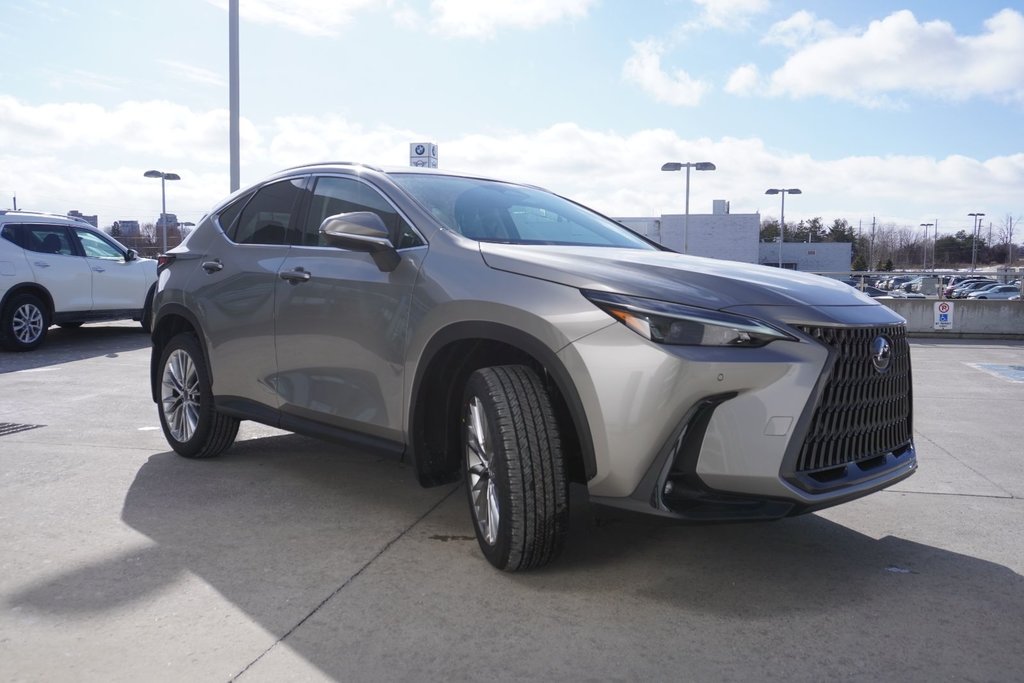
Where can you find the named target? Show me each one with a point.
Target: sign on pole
(423, 154)
(944, 315)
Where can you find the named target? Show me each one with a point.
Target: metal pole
(686, 216)
(782, 226)
(163, 207)
(233, 105)
(974, 244)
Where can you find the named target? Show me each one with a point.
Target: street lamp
(678, 166)
(164, 177)
(924, 246)
(976, 217)
(782, 216)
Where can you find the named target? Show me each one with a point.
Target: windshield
(490, 211)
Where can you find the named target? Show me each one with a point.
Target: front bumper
(722, 433)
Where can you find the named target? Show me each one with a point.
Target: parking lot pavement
(292, 559)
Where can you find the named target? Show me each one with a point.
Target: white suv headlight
(669, 323)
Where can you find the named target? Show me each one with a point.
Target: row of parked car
(964, 286)
(982, 288)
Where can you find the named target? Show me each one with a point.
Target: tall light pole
(164, 177)
(678, 166)
(924, 247)
(782, 216)
(233, 104)
(976, 217)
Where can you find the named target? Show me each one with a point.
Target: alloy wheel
(479, 459)
(180, 395)
(27, 323)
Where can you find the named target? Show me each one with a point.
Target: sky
(903, 112)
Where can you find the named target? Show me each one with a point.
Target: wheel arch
(29, 288)
(446, 363)
(174, 319)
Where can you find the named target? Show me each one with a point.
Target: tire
(515, 474)
(191, 425)
(24, 323)
(70, 326)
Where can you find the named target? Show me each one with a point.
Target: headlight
(668, 323)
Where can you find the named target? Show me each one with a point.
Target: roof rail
(46, 214)
(335, 163)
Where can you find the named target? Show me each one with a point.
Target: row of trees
(887, 246)
(149, 241)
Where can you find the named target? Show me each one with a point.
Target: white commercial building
(736, 237)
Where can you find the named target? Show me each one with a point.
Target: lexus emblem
(881, 353)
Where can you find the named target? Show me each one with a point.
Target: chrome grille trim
(862, 413)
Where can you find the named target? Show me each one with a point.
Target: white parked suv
(56, 270)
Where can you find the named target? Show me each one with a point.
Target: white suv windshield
(490, 211)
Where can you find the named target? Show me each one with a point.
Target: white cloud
(81, 156)
(309, 17)
(728, 14)
(744, 80)
(800, 29)
(898, 54)
(482, 18)
(677, 88)
(194, 74)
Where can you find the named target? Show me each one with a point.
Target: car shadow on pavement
(68, 345)
(279, 524)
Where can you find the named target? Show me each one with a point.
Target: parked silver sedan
(997, 292)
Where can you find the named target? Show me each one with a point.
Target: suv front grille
(863, 413)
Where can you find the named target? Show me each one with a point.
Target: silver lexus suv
(505, 335)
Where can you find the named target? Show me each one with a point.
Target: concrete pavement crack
(933, 443)
(348, 581)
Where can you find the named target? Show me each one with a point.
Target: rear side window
(269, 218)
(227, 217)
(12, 234)
(41, 238)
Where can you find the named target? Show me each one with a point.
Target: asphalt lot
(292, 559)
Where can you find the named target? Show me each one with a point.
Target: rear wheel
(24, 323)
(191, 425)
(515, 475)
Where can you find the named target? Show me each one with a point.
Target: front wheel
(191, 425)
(24, 323)
(515, 474)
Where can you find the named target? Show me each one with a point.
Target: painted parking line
(1010, 373)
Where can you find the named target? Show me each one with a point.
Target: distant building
(815, 257)
(170, 219)
(736, 237)
(91, 220)
(720, 234)
(126, 229)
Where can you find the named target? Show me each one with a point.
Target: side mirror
(131, 255)
(362, 231)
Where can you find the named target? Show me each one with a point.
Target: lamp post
(782, 216)
(164, 177)
(924, 246)
(678, 166)
(976, 218)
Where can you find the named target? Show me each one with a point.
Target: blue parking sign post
(944, 315)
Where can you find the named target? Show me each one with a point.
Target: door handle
(97, 269)
(41, 264)
(212, 266)
(295, 276)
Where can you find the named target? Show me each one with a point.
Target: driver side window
(96, 247)
(334, 195)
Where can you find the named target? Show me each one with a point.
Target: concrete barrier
(972, 319)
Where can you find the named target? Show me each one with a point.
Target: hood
(668, 276)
